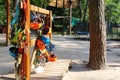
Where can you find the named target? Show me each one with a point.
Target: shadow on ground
(6, 78)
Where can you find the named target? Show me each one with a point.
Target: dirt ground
(80, 71)
(66, 47)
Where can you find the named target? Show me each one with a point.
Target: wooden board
(26, 56)
(53, 71)
(36, 9)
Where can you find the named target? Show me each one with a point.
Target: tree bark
(97, 59)
(80, 9)
(84, 16)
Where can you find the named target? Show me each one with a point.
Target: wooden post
(50, 16)
(49, 23)
(8, 23)
(26, 56)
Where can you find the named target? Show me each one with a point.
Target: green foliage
(76, 11)
(112, 11)
(2, 15)
(2, 12)
(40, 3)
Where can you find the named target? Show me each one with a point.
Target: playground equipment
(81, 31)
(64, 4)
(82, 27)
(20, 38)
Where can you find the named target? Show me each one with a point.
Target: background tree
(79, 7)
(2, 12)
(112, 11)
(40, 3)
(97, 59)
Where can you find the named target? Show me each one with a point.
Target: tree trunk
(80, 9)
(97, 59)
(84, 17)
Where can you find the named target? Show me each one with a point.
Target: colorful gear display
(35, 25)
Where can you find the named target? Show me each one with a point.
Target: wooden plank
(36, 9)
(53, 71)
(43, 11)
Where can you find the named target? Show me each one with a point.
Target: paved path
(78, 51)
